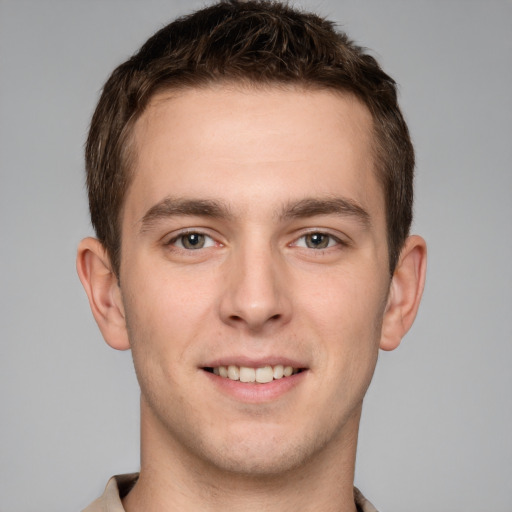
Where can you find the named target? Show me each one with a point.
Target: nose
(255, 295)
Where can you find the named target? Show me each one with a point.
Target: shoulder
(362, 504)
(117, 487)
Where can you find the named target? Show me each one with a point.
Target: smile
(261, 375)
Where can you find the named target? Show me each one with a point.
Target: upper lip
(250, 362)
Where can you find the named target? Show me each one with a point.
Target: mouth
(260, 375)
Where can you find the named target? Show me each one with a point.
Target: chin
(266, 454)
(258, 463)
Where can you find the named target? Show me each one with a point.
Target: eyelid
(173, 237)
(340, 240)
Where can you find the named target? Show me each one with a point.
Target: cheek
(349, 300)
(169, 309)
(165, 313)
(346, 314)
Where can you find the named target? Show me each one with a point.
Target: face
(253, 246)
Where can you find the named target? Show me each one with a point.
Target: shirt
(119, 486)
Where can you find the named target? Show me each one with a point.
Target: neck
(173, 479)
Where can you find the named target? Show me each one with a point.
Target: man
(250, 183)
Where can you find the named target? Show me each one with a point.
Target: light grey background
(436, 430)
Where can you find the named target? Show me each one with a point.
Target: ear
(102, 288)
(405, 292)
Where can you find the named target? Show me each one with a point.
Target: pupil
(317, 240)
(193, 241)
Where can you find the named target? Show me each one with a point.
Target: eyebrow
(170, 207)
(304, 208)
(312, 207)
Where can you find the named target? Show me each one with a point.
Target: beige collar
(119, 486)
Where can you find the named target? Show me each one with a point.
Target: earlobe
(405, 292)
(101, 285)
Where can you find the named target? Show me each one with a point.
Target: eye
(317, 240)
(192, 241)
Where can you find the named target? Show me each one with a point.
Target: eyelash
(183, 235)
(332, 241)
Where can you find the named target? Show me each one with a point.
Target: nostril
(253, 321)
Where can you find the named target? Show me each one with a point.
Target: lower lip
(251, 392)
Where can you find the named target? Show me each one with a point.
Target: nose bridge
(255, 293)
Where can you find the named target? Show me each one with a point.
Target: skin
(279, 169)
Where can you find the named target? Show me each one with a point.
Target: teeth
(247, 374)
(233, 372)
(260, 375)
(288, 370)
(265, 374)
(278, 371)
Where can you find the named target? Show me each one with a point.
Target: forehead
(245, 145)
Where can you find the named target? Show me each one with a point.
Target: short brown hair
(257, 42)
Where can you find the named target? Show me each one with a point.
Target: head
(250, 180)
(253, 44)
